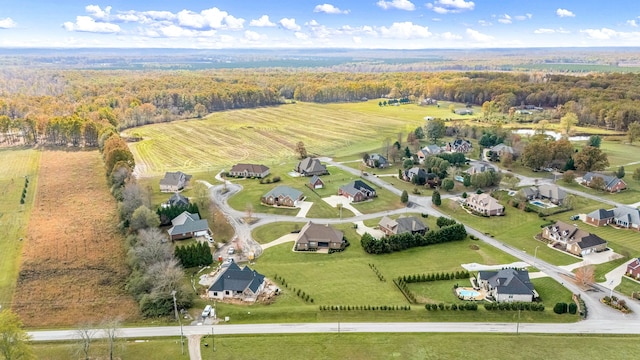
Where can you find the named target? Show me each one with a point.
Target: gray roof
(314, 179)
(252, 168)
(502, 148)
(188, 223)
(311, 165)
(591, 240)
(420, 172)
(320, 233)
(402, 225)
(381, 159)
(285, 191)
(478, 167)
(552, 191)
(601, 214)
(356, 186)
(174, 178)
(609, 181)
(432, 149)
(509, 281)
(178, 200)
(235, 279)
(627, 214)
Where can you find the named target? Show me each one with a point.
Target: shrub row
(404, 289)
(515, 306)
(618, 304)
(167, 213)
(444, 221)
(389, 244)
(298, 292)
(562, 308)
(24, 191)
(364, 307)
(198, 254)
(375, 270)
(442, 306)
(273, 180)
(582, 306)
(434, 276)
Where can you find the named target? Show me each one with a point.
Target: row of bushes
(364, 307)
(24, 191)
(378, 273)
(273, 180)
(618, 304)
(298, 292)
(415, 278)
(582, 306)
(514, 306)
(563, 308)
(404, 289)
(471, 306)
(198, 254)
(389, 244)
(166, 214)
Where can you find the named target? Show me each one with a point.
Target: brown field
(73, 261)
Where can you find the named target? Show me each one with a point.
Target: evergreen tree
(435, 198)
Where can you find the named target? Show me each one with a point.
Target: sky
(370, 24)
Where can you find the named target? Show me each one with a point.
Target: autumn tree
(568, 121)
(143, 218)
(301, 150)
(591, 158)
(569, 176)
(562, 150)
(536, 154)
(506, 159)
(85, 335)
(14, 341)
(585, 275)
(634, 131)
(436, 130)
(447, 184)
(570, 201)
(597, 182)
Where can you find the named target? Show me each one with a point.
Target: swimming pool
(539, 204)
(468, 293)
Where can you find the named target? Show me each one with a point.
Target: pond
(553, 134)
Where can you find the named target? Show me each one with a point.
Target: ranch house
(282, 196)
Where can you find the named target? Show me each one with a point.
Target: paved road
(590, 327)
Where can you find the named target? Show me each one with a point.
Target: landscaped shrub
(560, 308)
(573, 308)
(404, 241)
(198, 254)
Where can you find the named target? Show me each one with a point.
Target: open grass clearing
(151, 349)
(628, 286)
(16, 164)
(73, 259)
(421, 346)
(602, 269)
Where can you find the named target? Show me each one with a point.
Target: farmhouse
(484, 204)
(402, 225)
(315, 182)
(622, 216)
(176, 200)
(377, 161)
(249, 171)
(357, 191)
(232, 282)
(427, 151)
(507, 285)
(459, 145)
(549, 192)
(572, 239)
(187, 225)
(311, 166)
(633, 269)
(174, 181)
(282, 196)
(314, 236)
(611, 183)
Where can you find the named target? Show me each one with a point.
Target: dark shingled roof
(509, 281)
(591, 240)
(235, 279)
(601, 214)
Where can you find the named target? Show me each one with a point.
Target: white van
(207, 311)
(231, 251)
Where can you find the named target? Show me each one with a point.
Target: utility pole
(518, 324)
(213, 341)
(175, 308)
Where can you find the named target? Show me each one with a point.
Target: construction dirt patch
(73, 259)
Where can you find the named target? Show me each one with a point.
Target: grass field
(422, 346)
(627, 286)
(73, 259)
(148, 349)
(16, 164)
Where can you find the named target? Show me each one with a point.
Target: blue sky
(389, 24)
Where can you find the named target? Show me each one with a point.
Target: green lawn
(268, 233)
(602, 269)
(16, 164)
(627, 286)
(421, 346)
(151, 349)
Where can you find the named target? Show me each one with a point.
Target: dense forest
(71, 106)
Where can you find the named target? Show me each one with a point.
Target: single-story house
(622, 216)
(573, 239)
(233, 282)
(410, 174)
(377, 161)
(549, 192)
(401, 225)
(249, 170)
(187, 225)
(282, 195)
(633, 268)
(484, 204)
(500, 150)
(310, 166)
(174, 181)
(478, 168)
(427, 151)
(611, 183)
(357, 191)
(316, 182)
(314, 236)
(459, 145)
(507, 285)
(176, 199)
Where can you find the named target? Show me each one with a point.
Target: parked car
(574, 217)
(209, 238)
(207, 311)
(231, 251)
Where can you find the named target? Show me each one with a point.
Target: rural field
(73, 258)
(16, 164)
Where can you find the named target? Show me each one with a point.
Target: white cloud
(88, 24)
(97, 13)
(565, 13)
(606, 34)
(7, 23)
(523, 17)
(450, 36)
(357, 39)
(504, 19)
(329, 9)
(450, 6)
(213, 18)
(312, 23)
(301, 35)
(544, 31)
(484, 23)
(289, 24)
(263, 21)
(478, 36)
(396, 4)
(405, 30)
(252, 35)
(632, 23)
